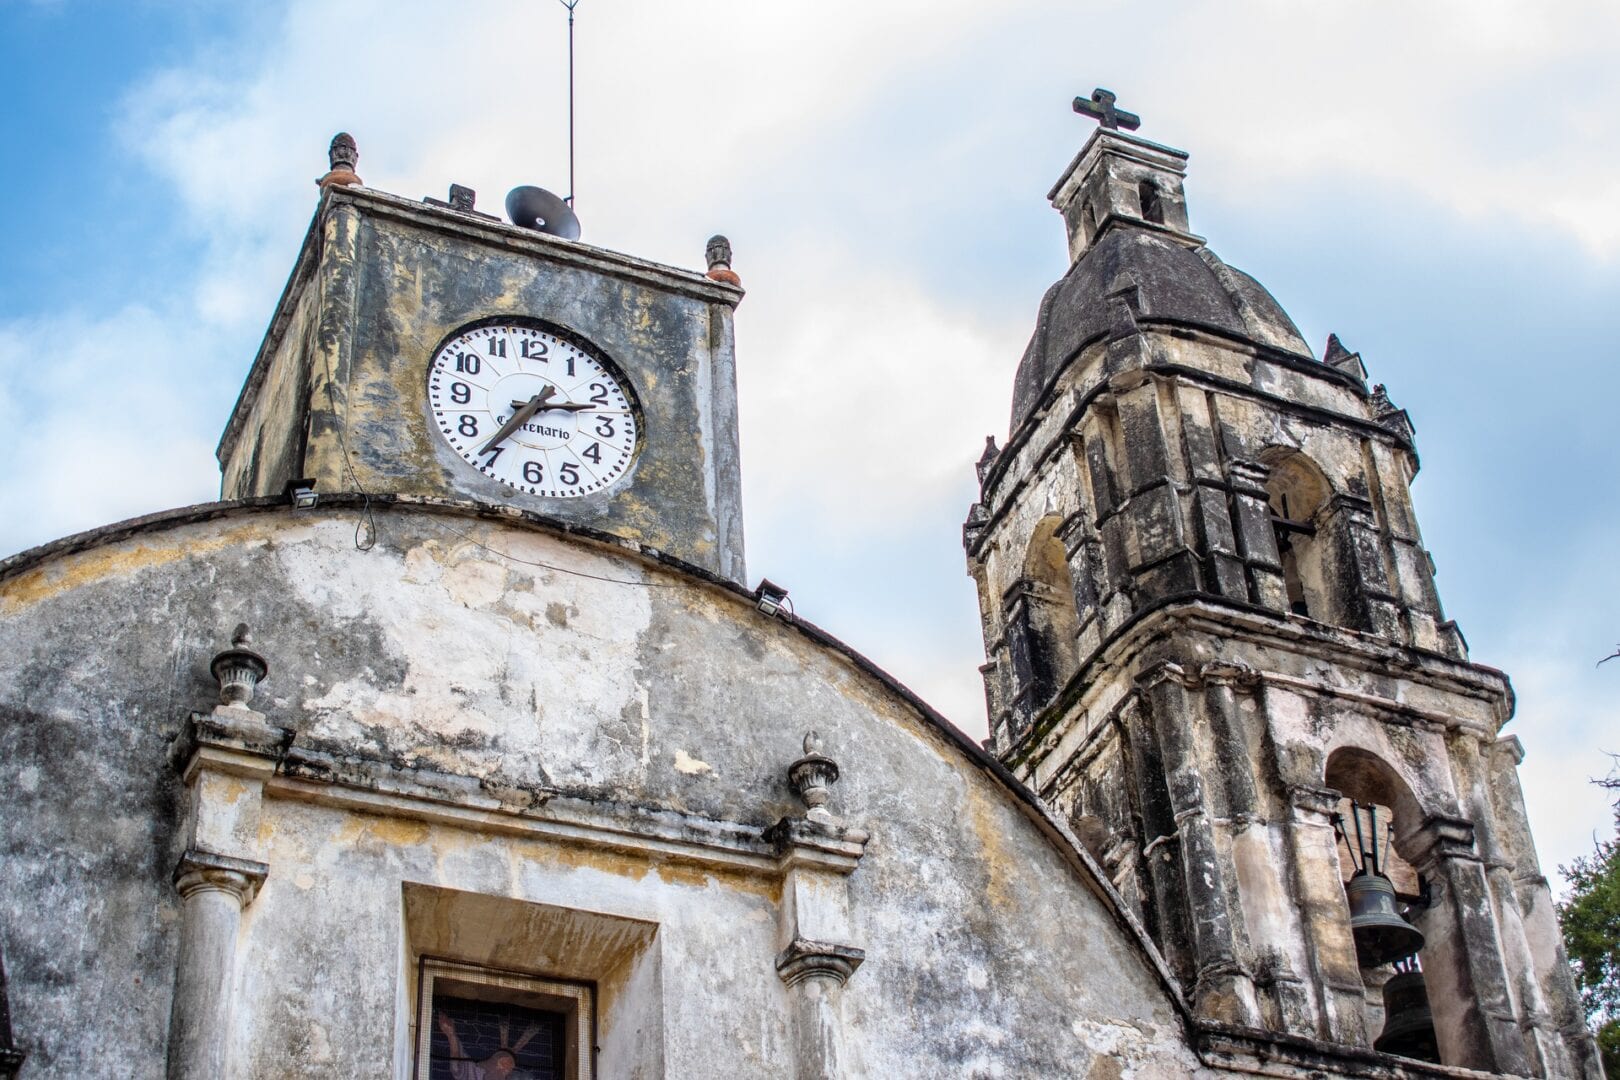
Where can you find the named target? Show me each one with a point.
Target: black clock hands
(568, 406)
(519, 417)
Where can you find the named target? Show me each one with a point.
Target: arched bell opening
(1384, 893)
(1042, 623)
(1297, 491)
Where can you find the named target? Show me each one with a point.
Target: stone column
(213, 891)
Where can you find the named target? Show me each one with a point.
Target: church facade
(452, 743)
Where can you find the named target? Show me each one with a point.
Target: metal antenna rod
(570, 5)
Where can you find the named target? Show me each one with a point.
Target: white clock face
(532, 410)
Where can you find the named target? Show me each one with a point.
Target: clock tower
(426, 351)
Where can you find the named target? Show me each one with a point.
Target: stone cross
(1100, 107)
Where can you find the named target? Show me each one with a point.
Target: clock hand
(569, 406)
(519, 417)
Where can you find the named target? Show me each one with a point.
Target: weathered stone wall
(1153, 453)
(473, 723)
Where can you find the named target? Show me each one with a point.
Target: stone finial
(718, 254)
(1381, 404)
(239, 670)
(987, 460)
(1339, 358)
(813, 776)
(1389, 415)
(342, 156)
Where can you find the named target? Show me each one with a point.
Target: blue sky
(1439, 183)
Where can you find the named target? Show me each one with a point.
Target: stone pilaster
(1462, 953)
(11, 1058)
(1269, 914)
(1362, 584)
(1083, 553)
(1257, 541)
(1166, 916)
(1224, 990)
(1165, 563)
(213, 891)
(1324, 916)
(817, 955)
(1577, 1054)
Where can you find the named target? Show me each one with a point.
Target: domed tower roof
(1122, 199)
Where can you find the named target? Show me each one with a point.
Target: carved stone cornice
(203, 871)
(1320, 801)
(804, 959)
(1222, 673)
(811, 843)
(232, 739)
(1510, 746)
(1442, 838)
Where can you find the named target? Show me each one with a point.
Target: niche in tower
(1042, 623)
(1297, 491)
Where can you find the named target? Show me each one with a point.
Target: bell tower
(1213, 640)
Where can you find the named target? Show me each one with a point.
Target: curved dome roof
(1174, 284)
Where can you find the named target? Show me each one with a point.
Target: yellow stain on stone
(63, 575)
(396, 831)
(675, 874)
(994, 857)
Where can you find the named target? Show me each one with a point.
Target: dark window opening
(486, 1040)
(1152, 208)
(1291, 579)
(475, 1023)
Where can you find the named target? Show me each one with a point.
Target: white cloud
(101, 418)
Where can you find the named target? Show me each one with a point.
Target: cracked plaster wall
(484, 678)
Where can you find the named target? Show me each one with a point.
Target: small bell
(1381, 935)
(1408, 1023)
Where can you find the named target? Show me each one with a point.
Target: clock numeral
(497, 346)
(535, 349)
(532, 472)
(494, 453)
(570, 362)
(594, 453)
(569, 474)
(460, 393)
(468, 362)
(468, 426)
(604, 426)
(598, 394)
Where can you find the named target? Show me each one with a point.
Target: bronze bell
(1381, 935)
(1408, 1023)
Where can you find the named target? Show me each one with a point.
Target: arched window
(1297, 491)
(1042, 623)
